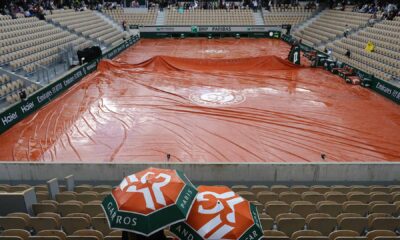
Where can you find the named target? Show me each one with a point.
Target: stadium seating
(292, 16)
(210, 17)
(89, 24)
(28, 42)
(329, 25)
(383, 62)
(334, 214)
(4, 17)
(9, 88)
(119, 15)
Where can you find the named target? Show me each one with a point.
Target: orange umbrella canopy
(219, 213)
(149, 201)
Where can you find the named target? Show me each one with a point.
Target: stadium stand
(210, 17)
(383, 62)
(293, 214)
(88, 24)
(4, 17)
(140, 18)
(330, 25)
(28, 43)
(292, 16)
(10, 88)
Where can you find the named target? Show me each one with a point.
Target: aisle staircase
(258, 18)
(161, 17)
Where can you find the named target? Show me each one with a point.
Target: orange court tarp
(208, 100)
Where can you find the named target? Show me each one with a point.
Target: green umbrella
(149, 201)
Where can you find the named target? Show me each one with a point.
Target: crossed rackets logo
(142, 186)
(227, 224)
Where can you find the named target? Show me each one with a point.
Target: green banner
(386, 89)
(21, 110)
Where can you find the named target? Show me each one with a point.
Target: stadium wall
(22, 109)
(209, 31)
(212, 173)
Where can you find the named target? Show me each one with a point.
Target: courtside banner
(21, 110)
(209, 29)
(386, 89)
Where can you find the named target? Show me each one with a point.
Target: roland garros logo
(148, 190)
(221, 225)
(216, 98)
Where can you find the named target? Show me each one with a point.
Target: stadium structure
(292, 104)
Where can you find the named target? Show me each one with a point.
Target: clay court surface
(206, 100)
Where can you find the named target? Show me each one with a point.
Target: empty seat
(279, 189)
(86, 197)
(267, 196)
(335, 197)
(289, 197)
(258, 188)
(73, 224)
(353, 222)
(274, 208)
(358, 196)
(249, 196)
(340, 188)
(65, 196)
(290, 223)
(275, 235)
(355, 207)
(9, 222)
(380, 196)
(45, 223)
(382, 207)
(342, 233)
(44, 207)
(101, 224)
(329, 207)
(373, 235)
(238, 188)
(69, 207)
(89, 232)
(266, 222)
(320, 189)
(299, 189)
(22, 234)
(376, 222)
(58, 233)
(83, 188)
(303, 208)
(305, 234)
(313, 197)
(321, 222)
(102, 188)
(92, 209)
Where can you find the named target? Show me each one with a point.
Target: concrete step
(161, 17)
(258, 18)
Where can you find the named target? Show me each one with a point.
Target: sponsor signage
(208, 29)
(22, 109)
(386, 89)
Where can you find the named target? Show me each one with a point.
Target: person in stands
(346, 31)
(348, 53)
(133, 236)
(124, 25)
